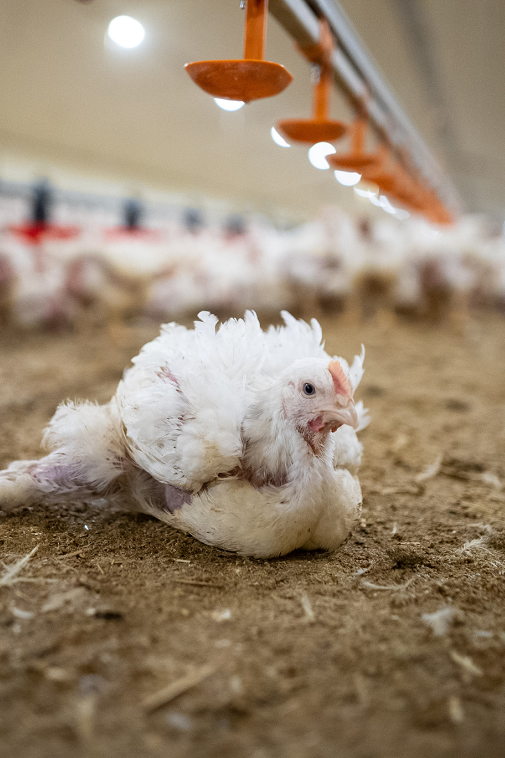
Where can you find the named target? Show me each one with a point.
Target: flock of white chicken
(96, 271)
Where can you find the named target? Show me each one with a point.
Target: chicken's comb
(340, 380)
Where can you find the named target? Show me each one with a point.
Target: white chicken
(245, 439)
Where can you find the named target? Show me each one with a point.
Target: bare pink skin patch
(316, 424)
(175, 498)
(340, 381)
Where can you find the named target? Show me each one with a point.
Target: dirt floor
(317, 655)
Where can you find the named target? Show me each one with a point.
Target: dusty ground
(311, 655)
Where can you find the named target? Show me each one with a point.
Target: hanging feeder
(393, 181)
(434, 210)
(411, 192)
(357, 159)
(425, 200)
(319, 128)
(390, 179)
(249, 78)
(399, 185)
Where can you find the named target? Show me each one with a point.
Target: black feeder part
(42, 201)
(132, 214)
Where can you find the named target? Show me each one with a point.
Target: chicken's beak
(344, 414)
(336, 416)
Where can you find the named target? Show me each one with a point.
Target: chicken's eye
(309, 389)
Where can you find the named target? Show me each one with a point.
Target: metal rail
(359, 77)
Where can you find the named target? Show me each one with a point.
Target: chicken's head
(318, 397)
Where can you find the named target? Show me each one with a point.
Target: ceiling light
(365, 193)
(386, 205)
(347, 178)
(398, 212)
(229, 105)
(375, 201)
(277, 138)
(318, 153)
(126, 31)
(401, 214)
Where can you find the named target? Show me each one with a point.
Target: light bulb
(375, 201)
(126, 31)
(401, 214)
(229, 105)
(365, 192)
(318, 153)
(347, 178)
(277, 138)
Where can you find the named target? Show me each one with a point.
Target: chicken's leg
(48, 480)
(87, 456)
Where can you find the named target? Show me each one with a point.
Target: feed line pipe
(356, 73)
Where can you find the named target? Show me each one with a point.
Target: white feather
(183, 401)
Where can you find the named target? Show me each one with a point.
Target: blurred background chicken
(95, 269)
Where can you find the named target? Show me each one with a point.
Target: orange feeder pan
(399, 185)
(414, 194)
(319, 128)
(407, 191)
(357, 159)
(389, 180)
(249, 78)
(435, 210)
(311, 130)
(386, 181)
(393, 182)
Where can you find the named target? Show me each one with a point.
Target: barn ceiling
(70, 103)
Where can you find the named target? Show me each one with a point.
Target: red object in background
(34, 234)
(117, 233)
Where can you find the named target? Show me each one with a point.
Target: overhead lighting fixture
(401, 214)
(386, 205)
(365, 193)
(229, 105)
(347, 178)
(125, 31)
(277, 138)
(375, 201)
(381, 201)
(318, 153)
